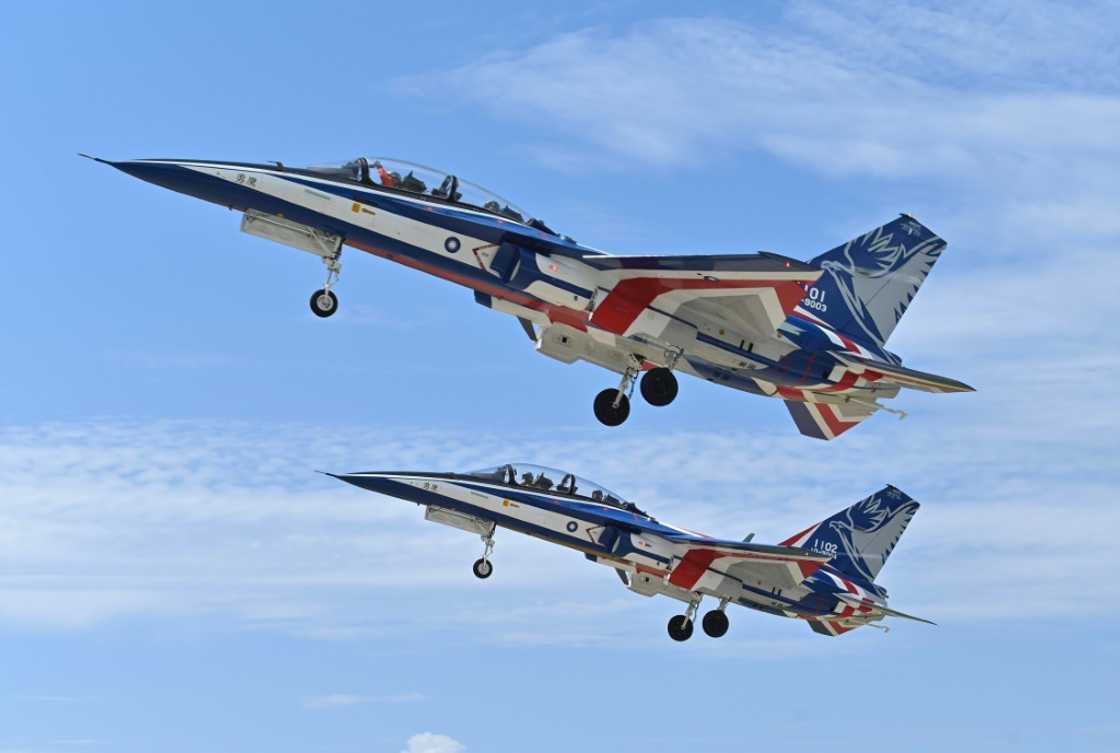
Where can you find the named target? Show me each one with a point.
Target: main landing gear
(715, 622)
(323, 301)
(483, 568)
(659, 387)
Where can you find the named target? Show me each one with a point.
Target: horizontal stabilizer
(827, 420)
(912, 378)
(855, 601)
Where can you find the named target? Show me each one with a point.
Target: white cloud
(342, 700)
(1013, 105)
(427, 742)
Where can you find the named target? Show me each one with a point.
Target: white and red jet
(824, 574)
(812, 334)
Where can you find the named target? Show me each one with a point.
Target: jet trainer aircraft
(811, 334)
(824, 574)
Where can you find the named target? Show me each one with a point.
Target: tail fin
(860, 538)
(869, 282)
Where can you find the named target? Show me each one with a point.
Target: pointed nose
(166, 174)
(184, 177)
(389, 484)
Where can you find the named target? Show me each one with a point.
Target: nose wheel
(483, 567)
(323, 301)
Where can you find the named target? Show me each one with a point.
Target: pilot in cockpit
(526, 479)
(392, 180)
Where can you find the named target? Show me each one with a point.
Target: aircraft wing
(912, 378)
(710, 563)
(749, 294)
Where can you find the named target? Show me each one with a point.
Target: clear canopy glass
(528, 475)
(425, 181)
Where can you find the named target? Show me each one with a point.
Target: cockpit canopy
(425, 181)
(529, 476)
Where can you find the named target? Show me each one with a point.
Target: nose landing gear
(483, 568)
(323, 301)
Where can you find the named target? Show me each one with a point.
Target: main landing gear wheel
(612, 407)
(715, 623)
(324, 303)
(482, 568)
(659, 386)
(680, 627)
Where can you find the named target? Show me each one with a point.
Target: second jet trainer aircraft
(824, 575)
(811, 334)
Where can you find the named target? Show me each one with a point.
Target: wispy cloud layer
(109, 520)
(1017, 104)
(343, 700)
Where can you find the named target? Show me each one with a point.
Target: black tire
(606, 411)
(715, 623)
(482, 568)
(659, 386)
(680, 627)
(323, 303)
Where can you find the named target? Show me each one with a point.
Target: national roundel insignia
(451, 244)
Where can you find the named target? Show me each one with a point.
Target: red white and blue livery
(812, 334)
(824, 575)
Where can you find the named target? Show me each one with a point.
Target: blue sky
(174, 575)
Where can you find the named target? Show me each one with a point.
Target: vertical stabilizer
(860, 538)
(868, 282)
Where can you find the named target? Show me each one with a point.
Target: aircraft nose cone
(160, 173)
(374, 482)
(182, 177)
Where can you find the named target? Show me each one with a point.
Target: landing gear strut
(612, 406)
(659, 386)
(482, 566)
(680, 625)
(323, 301)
